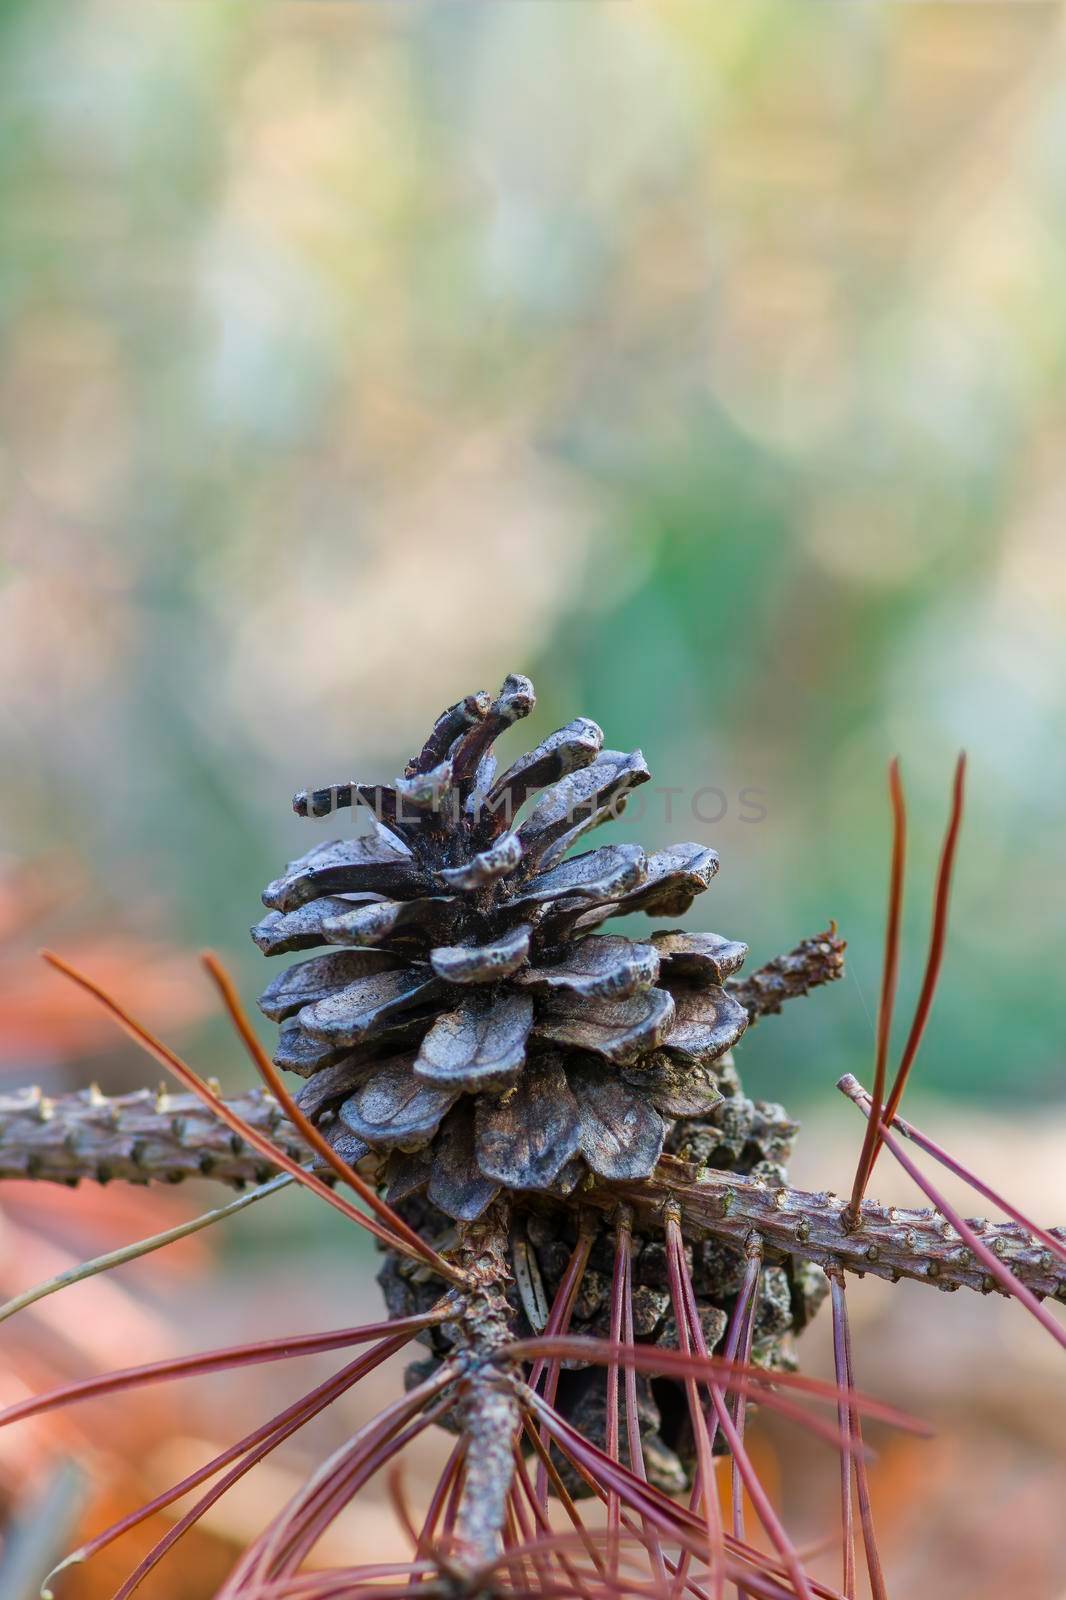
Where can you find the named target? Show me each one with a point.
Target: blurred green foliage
(703, 361)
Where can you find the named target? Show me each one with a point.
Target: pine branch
(892, 1241)
(145, 1137)
(811, 963)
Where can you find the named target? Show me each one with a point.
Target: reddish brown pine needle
(310, 1407)
(253, 1447)
(997, 1269)
(273, 1153)
(558, 1323)
(684, 1298)
(1050, 1241)
(273, 1080)
(853, 1456)
(754, 1383)
(708, 1482)
(675, 1523)
(937, 940)
(885, 1109)
(242, 1355)
(889, 978)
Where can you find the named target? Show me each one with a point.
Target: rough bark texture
(490, 1413)
(813, 962)
(892, 1242)
(146, 1136)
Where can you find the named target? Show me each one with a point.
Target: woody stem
(490, 1413)
(145, 1137)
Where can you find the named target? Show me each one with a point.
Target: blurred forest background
(704, 361)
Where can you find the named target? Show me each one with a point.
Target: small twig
(813, 962)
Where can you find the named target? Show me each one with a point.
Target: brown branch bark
(147, 1136)
(892, 1242)
(813, 962)
(490, 1411)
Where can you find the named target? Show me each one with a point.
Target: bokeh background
(705, 362)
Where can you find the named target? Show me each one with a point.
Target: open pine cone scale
(466, 1016)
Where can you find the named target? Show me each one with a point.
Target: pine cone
(472, 1031)
(468, 1019)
